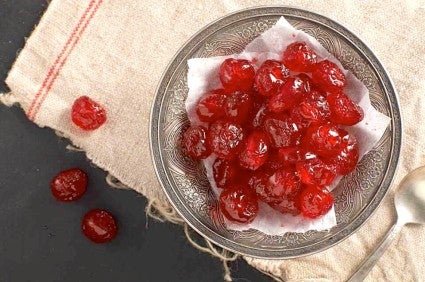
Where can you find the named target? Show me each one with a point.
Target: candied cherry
(291, 155)
(315, 201)
(258, 182)
(299, 57)
(225, 139)
(299, 119)
(237, 107)
(290, 94)
(282, 132)
(328, 76)
(273, 162)
(69, 185)
(239, 203)
(99, 226)
(237, 75)
(210, 107)
(270, 77)
(315, 172)
(325, 140)
(225, 172)
(343, 110)
(346, 160)
(87, 114)
(258, 116)
(287, 205)
(313, 109)
(255, 151)
(195, 142)
(283, 183)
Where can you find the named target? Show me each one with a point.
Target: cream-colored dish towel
(116, 51)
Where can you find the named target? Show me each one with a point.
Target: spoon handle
(363, 270)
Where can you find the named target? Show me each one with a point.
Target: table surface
(40, 238)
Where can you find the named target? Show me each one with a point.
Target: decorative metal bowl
(185, 182)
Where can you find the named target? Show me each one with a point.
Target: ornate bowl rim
(367, 211)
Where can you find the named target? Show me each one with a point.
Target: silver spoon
(410, 206)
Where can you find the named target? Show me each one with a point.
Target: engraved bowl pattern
(184, 181)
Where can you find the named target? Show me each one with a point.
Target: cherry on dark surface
(99, 226)
(69, 185)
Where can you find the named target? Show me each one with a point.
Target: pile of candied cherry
(277, 132)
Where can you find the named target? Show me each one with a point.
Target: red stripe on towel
(62, 58)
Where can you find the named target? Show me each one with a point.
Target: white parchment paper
(203, 76)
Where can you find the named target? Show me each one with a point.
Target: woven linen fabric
(116, 51)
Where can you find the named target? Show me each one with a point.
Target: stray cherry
(99, 226)
(87, 114)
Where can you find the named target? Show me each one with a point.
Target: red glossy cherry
(346, 160)
(256, 117)
(225, 139)
(237, 107)
(258, 182)
(290, 94)
(299, 57)
(287, 205)
(69, 185)
(315, 201)
(315, 172)
(239, 204)
(195, 142)
(270, 77)
(225, 172)
(99, 226)
(282, 132)
(210, 107)
(343, 110)
(326, 140)
(87, 114)
(328, 76)
(284, 183)
(237, 75)
(255, 151)
(313, 109)
(273, 162)
(291, 155)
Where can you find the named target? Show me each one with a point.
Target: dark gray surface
(40, 238)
